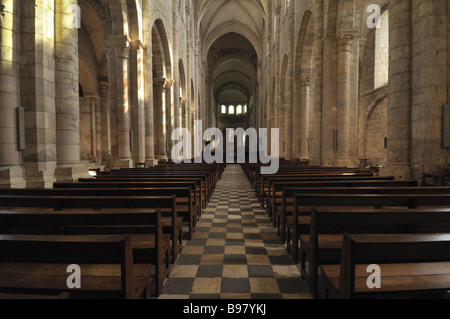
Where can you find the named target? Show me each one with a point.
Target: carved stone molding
(345, 41)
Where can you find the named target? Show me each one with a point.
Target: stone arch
(283, 108)
(135, 28)
(376, 131)
(305, 45)
(232, 27)
(304, 69)
(161, 52)
(93, 78)
(183, 95)
(162, 83)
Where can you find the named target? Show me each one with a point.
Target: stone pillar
(37, 42)
(316, 89)
(399, 114)
(105, 121)
(328, 122)
(159, 105)
(306, 82)
(429, 86)
(138, 99)
(209, 84)
(345, 43)
(98, 131)
(11, 173)
(119, 51)
(170, 116)
(66, 81)
(93, 128)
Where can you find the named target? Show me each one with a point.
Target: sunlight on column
(6, 31)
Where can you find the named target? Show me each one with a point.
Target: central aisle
(235, 251)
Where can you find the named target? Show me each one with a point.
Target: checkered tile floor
(235, 252)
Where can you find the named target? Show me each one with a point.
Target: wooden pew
(328, 225)
(150, 245)
(284, 208)
(303, 204)
(172, 225)
(184, 197)
(213, 173)
(135, 185)
(200, 189)
(64, 295)
(412, 266)
(207, 184)
(276, 187)
(41, 261)
(263, 187)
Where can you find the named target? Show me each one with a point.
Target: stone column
(138, 99)
(11, 173)
(209, 84)
(429, 86)
(66, 82)
(98, 131)
(148, 91)
(170, 116)
(399, 114)
(105, 120)
(119, 51)
(306, 82)
(328, 122)
(37, 42)
(159, 92)
(93, 128)
(345, 43)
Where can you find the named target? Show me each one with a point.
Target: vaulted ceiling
(231, 38)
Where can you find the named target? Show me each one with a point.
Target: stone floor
(235, 252)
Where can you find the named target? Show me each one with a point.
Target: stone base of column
(399, 171)
(13, 177)
(343, 162)
(123, 163)
(314, 161)
(151, 162)
(162, 158)
(40, 175)
(71, 173)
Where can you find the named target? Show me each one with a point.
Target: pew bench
(37, 265)
(197, 200)
(284, 205)
(323, 244)
(411, 266)
(296, 221)
(186, 205)
(263, 187)
(141, 182)
(150, 244)
(171, 222)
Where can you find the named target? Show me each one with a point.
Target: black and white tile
(235, 252)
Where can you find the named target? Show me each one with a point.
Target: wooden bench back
(382, 249)
(371, 200)
(112, 249)
(95, 202)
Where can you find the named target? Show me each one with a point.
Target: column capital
(306, 81)
(137, 44)
(121, 44)
(345, 40)
(160, 82)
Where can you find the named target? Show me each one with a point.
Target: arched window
(231, 109)
(245, 109)
(381, 73)
(239, 109)
(223, 109)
